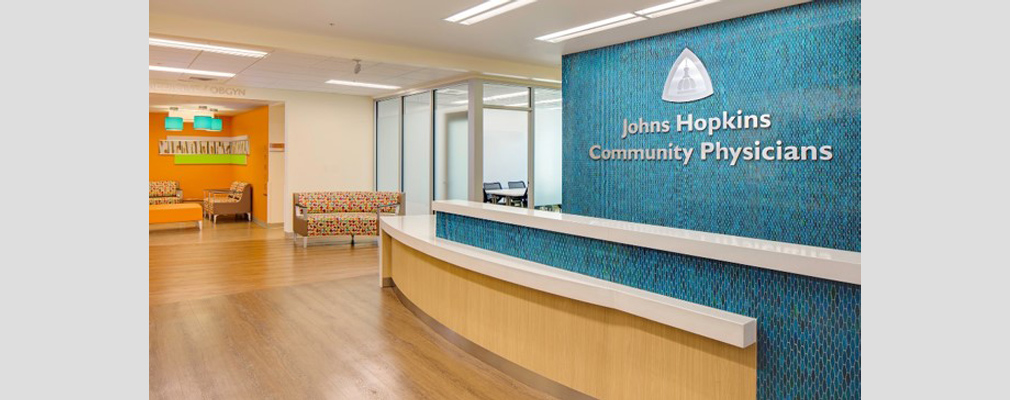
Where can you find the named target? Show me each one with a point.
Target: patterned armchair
(235, 200)
(164, 192)
(322, 214)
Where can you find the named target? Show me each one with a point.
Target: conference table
(507, 194)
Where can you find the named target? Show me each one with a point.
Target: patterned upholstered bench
(164, 192)
(327, 214)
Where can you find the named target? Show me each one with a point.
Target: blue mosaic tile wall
(801, 64)
(808, 328)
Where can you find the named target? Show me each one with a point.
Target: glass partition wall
(446, 143)
(417, 121)
(387, 145)
(451, 141)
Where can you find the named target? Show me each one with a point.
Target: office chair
(490, 186)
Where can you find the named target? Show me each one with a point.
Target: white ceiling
(293, 71)
(162, 102)
(509, 36)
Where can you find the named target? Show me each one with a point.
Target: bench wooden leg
(352, 240)
(305, 242)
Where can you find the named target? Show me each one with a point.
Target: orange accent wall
(256, 125)
(195, 178)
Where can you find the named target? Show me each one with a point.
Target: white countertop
(418, 232)
(818, 262)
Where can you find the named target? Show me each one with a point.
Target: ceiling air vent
(201, 79)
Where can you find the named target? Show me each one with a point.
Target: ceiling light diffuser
(361, 84)
(482, 7)
(558, 36)
(683, 7)
(625, 19)
(651, 11)
(629, 21)
(500, 10)
(189, 71)
(175, 44)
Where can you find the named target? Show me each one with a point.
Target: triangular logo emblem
(688, 79)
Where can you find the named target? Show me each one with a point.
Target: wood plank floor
(239, 312)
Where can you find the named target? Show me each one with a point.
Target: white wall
(328, 137)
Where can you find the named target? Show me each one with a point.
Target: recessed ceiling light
(361, 84)
(582, 32)
(591, 27)
(653, 12)
(175, 44)
(500, 10)
(482, 7)
(189, 71)
(625, 19)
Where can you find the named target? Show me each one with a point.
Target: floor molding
(516, 371)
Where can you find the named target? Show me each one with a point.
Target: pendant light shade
(173, 123)
(202, 122)
(216, 124)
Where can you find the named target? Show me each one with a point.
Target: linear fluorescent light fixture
(189, 71)
(624, 19)
(361, 84)
(175, 44)
(663, 9)
(487, 10)
(500, 10)
(592, 27)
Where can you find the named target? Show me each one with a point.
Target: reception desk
(559, 328)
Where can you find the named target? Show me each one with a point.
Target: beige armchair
(232, 201)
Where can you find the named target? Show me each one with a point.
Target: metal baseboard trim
(516, 371)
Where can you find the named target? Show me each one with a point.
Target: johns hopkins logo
(688, 79)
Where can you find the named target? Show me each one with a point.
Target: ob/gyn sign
(688, 81)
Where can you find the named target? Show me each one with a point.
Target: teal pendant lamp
(173, 123)
(216, 124)
(202, 122)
